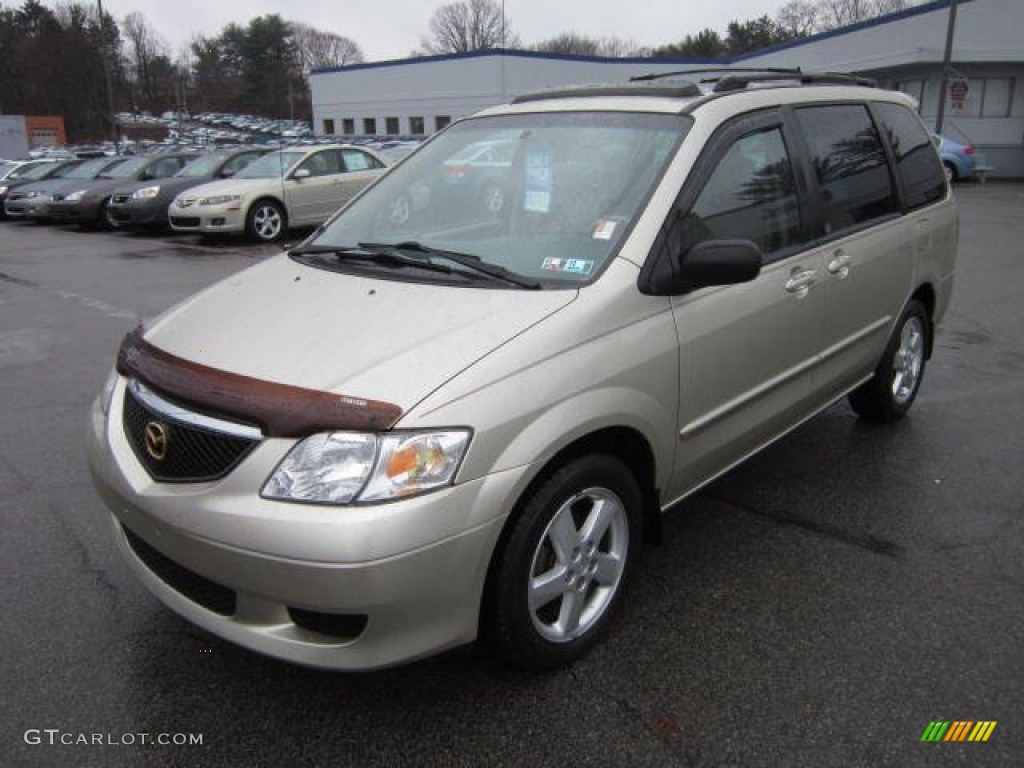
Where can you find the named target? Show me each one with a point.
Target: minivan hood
(361, 337)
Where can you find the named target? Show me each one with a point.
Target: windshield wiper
(467, 260)
(363, 253)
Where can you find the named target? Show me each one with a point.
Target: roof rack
(705, 70)
(739, 82)
(683, 90)
(738, 78)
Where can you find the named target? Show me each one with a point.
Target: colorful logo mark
(958, 730)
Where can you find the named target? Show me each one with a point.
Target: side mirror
(227, 173)
(711, 262)
(720, 262)
(302, 173)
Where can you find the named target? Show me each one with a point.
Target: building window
(998, 97)
(913, 88)
(348, 126)
(416, 126)
(441, 121)
(328, 126)
(391, 126)
(370, 126)
(980, 96)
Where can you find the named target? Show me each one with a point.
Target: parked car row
(251, 190)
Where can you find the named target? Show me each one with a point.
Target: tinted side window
(917, 163)
(237, 163)
(750, 194)
(359, 161)
(849, 163)
(321, 163)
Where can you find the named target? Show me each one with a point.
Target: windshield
(90, 168)
(207, 165)
(272, 166)
(548, 196)
(38, 171)
(127, 169)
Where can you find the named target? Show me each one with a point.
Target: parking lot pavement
(818, 606)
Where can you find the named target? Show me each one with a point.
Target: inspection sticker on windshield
(570, 266)
(539, 180)
(604, 229)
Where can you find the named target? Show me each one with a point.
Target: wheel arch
(628, 445)
(925, 294)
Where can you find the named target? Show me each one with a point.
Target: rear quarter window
(917, 163)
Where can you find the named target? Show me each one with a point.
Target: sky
(391, 29)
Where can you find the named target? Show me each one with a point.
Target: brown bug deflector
(280, 410)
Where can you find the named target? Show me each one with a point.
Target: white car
(299, 186)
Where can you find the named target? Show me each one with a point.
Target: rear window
(849, 163)
(917, 163)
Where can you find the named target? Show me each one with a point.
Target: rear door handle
(839, 265)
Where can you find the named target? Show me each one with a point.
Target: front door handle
(800, 281)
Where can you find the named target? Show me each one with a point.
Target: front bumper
(138, 213)
(27, 207)
(405, 578)
(209, 219)
(64, 210)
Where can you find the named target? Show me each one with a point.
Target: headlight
(107, 395)
(145, 193)
(344, 467)
(3, 190)
(75, 196)
(220, 200)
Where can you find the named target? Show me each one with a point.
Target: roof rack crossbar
(683, 90)
(706, 70)
(739, 82)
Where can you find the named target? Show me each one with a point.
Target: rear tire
(951, 174)
(562, 571)
(888, 395)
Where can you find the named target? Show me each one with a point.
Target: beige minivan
(446, 416)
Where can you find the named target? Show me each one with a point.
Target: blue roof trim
(918, 10)
(516, 54)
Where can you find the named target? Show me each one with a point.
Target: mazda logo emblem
(156, 440)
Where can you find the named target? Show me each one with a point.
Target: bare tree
(318, 49)
(573, 43)
(799, 17)
(468, 25)
(840, 13)
(145, 46)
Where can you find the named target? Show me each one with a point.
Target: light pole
(106, 71)
(947, 57)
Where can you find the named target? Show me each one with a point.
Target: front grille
(185, 221)
(199, 589)
(179, 452)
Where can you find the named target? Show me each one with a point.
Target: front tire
(951, 174)
(888, 395)
(563, 568)
(265, 221)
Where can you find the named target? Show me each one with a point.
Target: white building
(904, 50)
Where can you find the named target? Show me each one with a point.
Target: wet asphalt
(818, 606)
